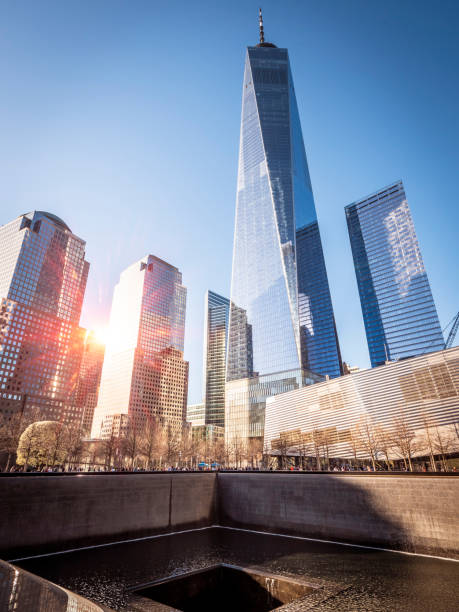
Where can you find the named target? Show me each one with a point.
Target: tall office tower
(144, 374)
(43, 276)
(281, 318)
(87, 389)
(216, 320)
(397, 305)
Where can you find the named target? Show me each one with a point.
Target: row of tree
(49, 444)
(38, 445)
(373, 443)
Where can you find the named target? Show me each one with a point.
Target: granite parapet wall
(403, 512)
(54, 512)
(47, 513)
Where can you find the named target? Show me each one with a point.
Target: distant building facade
(196, 414)
(397, 304)
(144, 373)
(88, 383)
(216, 320)
(43, 274)
(417, 391)
(207, 433)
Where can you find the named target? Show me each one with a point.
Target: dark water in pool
(375, 580)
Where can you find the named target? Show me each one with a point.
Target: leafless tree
(110, 447)
(444, 443)
(131, 445)
(316, 437)
(220, 453)
(383, 443)
(403, 439)
(327, 438)
(151, 442)
(10, 432)
(428, 436)
(238, 450)
(367, 439)
(74, 444)
(304, 448)
(171, 443)
(254, 451)
(355, 445)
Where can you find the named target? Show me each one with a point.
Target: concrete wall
(55, 512)
(417, 513)
(412, 513)
(24, 592)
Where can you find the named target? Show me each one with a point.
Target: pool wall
(413, 513)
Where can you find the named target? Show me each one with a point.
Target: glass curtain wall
(397, 305)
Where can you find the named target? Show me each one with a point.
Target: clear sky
(122, 117)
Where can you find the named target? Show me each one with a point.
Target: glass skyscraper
(144, 374)
(43, 274)
(281, 316)
(397, 304)
(216, 320)
(87, 390)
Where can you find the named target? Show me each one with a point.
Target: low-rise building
(417, 393)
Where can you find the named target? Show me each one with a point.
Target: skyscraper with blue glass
(397, 304)
(216, 319)
(281, 318)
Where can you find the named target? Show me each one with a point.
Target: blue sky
(122, 117)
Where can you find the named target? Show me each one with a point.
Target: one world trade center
(282, 331)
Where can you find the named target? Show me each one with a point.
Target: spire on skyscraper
(262, 42)
(260, 21)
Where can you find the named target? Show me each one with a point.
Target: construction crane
(452, 331)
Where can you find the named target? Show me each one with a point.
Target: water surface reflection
(377, 580)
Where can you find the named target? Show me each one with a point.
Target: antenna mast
(260, 21)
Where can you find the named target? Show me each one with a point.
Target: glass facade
(281, 316)
(196, 414)
(144, 374)
(43, 276)
(87, 390)
(397, 304)
(246, 401)
(216, 321)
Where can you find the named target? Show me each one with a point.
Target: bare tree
(150, 443)
(131, 445)
(254, 451)
(110, 446)
(367, 439)
(74, 444)
(304, 447)
(404, 441)
(281, 446)
(10, 432)
(327, 438)
(384, 444)
(316, 437)
(220, 451)
(238, 450)
(354, 444)
(429, 435)
(444, 443)
(171, 443)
